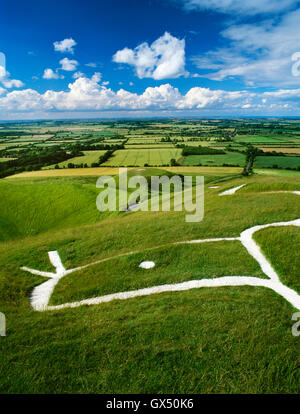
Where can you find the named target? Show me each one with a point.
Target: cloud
(4, 76)
(2, 59)
(2, 72)
(163, 59)
(68, 64)
(91, 65)
(12, 83)
(9, 83)
(87, 94)
(258, 53)
(249, 7)
(65, 46)
(50, 74)
(77, 75)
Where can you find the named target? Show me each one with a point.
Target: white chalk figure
(2, 324)
(147, 265)
(133, 206)
(41, 294)
(232, 190)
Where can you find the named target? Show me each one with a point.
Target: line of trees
(201, 151)
(35, 160)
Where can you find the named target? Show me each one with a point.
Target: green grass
(277, 173)
(276, 244)
(173, 264)
(30, 207)
(213, 340)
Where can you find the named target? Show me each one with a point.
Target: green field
(88, 158)
(281, 162)
(140, 157)
(230, 158)
(149, 146)
(268, 139)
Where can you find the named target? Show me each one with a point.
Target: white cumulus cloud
(259, 53)
(68, 64)
(7, 82)
(12, 83)
(65, 46)
(50, 74)
(88, 94)
(77, 75)
(248, 7)
(163, 59)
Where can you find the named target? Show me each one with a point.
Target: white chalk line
(231, 190)
(289, 294)
(41, 294)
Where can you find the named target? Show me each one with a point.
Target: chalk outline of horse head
(41, 294)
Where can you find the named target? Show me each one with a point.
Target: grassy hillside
(215, 340)
(31, 207)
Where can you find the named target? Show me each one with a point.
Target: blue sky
(117, 58)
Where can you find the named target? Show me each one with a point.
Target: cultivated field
(233, 158)
(88, 158)
(140, 157)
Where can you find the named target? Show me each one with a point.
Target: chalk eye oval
(147, 265)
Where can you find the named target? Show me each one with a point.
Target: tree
(251, 154)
